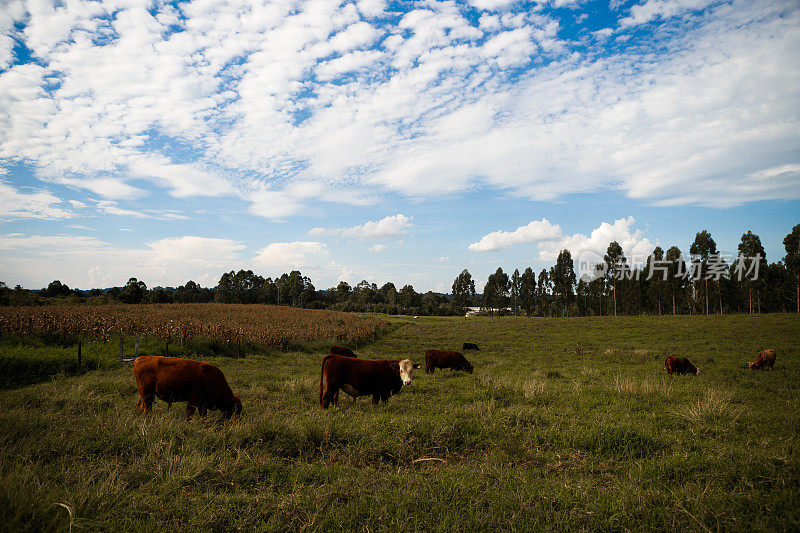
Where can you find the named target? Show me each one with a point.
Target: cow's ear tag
(417, 365)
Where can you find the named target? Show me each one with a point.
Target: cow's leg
(330, 396)
(192, 403)
(203, 410)
(145, 404)
(376, 398)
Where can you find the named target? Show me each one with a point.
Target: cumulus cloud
(428, 101)
(86, 262)
(376, 248)
(589, 250)
(535, 231)
(39, 204)
(656, 9)
(385, 228)
(306, 256)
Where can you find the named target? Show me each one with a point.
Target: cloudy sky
(387, 141)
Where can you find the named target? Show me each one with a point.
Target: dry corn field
(268, 325)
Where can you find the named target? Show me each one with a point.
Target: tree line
(668, 282)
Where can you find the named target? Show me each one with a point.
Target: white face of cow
(406, 366)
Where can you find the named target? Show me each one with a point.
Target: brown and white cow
(679, 365)
(764, 361)
(362, 377)
(201, 385)
(341, 350)
(446, 359)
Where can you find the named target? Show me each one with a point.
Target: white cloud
(87, 262)
(492, 5)
(385, 228)
(376, 248)
(106, 187)
(444, 259)
(661, 9)
(308, 257)
(110, 207)
(588, 249)
(372, 8)
(535, 231)
(36, 204)
(254, 98)
(52, 244)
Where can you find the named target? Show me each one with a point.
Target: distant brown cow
(764, 361)
(444, 359)
(362, 377)
(341, 350)
(200, 385)
(679, 365)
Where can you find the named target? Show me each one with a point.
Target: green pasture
(566, 424)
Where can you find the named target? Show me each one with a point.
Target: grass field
(566, 424)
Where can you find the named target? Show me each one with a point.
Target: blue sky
(387, 141)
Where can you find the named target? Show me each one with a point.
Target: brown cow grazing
(443, 359)
(341, 350)
(764, 361)
(469, 346)
(172, 379)
(679, 365)
(362, 377)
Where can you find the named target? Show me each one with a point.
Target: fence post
(79, 356)
(166, 348)
(136, 347)
(120, 347)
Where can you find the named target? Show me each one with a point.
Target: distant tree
(583, 297)
(752, 258)
(388, 294)
(703, 248)
(676, 275)
(496, 290)
(527, 291)
(515, 290)
(654, 276)
(242, 287)
(564, 280)
(543, 292)
(56, 289)
(792, 260)
(408, 298)
(364, 294)
(113, 293)
(342, 292)
(159, 295)
(133, 292)
(615, 267)
(5, 294)
(463, 290)
(21, 296)
(430, 302)
(293, 288)
(192, 293)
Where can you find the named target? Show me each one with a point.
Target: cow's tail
(322, 375)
